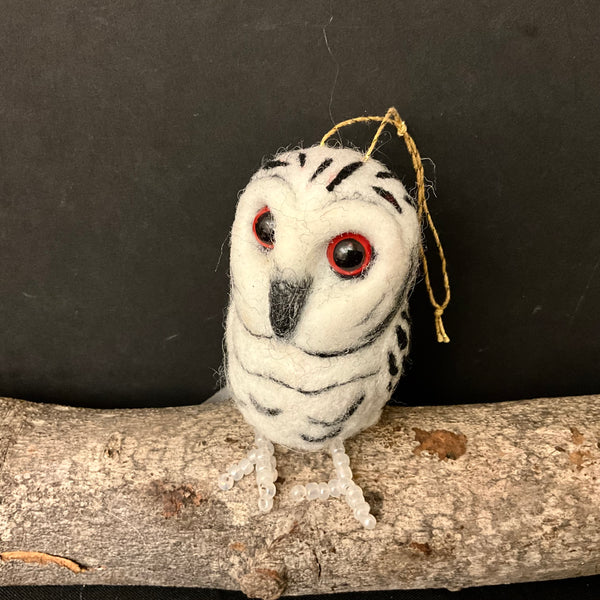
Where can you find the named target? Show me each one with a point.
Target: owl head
(323, 249)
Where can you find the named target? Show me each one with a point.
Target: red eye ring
(353, 268)
(265, 234)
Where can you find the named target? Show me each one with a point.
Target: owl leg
(261, 458)
(343, 485)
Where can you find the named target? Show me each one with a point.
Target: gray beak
(286, 301)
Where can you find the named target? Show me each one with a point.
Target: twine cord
(392, 117)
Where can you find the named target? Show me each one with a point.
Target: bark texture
(463, 495)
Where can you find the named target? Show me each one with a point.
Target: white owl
(324, 251)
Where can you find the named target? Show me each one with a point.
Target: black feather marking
(321, 168)
(302, 158)
(370, 337)
(270, 412)
(389, 386)
(252, 333)
(402, 337)
(371, 312)
(367, 340)
(388, 196)
(385, 175)
(344, 173)
(392, 366)
(342, 418)
(321, 438)
(272, 164)
(300, 390)
(312, 392)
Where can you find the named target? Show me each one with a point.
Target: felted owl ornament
(324, 253)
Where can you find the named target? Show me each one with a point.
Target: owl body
(323, 258)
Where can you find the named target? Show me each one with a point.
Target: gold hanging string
(394, 119)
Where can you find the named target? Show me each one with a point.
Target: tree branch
(463, 496)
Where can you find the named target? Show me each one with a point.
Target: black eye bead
(264, 227)
(349, 254)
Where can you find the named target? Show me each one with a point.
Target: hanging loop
(393, 117)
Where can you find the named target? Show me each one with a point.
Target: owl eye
(264, 227)
(349, 254)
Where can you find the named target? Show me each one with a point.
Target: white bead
(368, 521)
(354, 498)
(252, 456)
(337, 444)
(354, 492)
(312, 491)
(225, 481)
(264, 477)
(343, 472)
(262, 455)
(245, 466)
(265, 504)
(267, 490)
(334, 488)
(298, 492)
(235, 472)
(267, 475)
(362, 509)
(340, 460)
(273, 462)
(260, 439)
(263, 466)
(323, 491)
(268, 446)
(344, 485)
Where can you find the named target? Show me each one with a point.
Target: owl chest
(301, 400)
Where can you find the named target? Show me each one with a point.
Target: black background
(128, 128)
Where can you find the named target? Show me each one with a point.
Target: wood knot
(266, 582)
(174, 498)
(577, 437)
(445, 444)
(425, 548)
(112, 449)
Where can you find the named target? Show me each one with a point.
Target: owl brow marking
(388, 196)
(302, 158)
(342, 418)
(385, 175)
(275, 163)
(321, 168)
(344, 173)
(270, 412)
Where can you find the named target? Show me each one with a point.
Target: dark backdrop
(127, 129)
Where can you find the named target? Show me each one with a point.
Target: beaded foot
(262, 459)
(343, 485)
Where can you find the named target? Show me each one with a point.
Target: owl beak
(286, 301)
